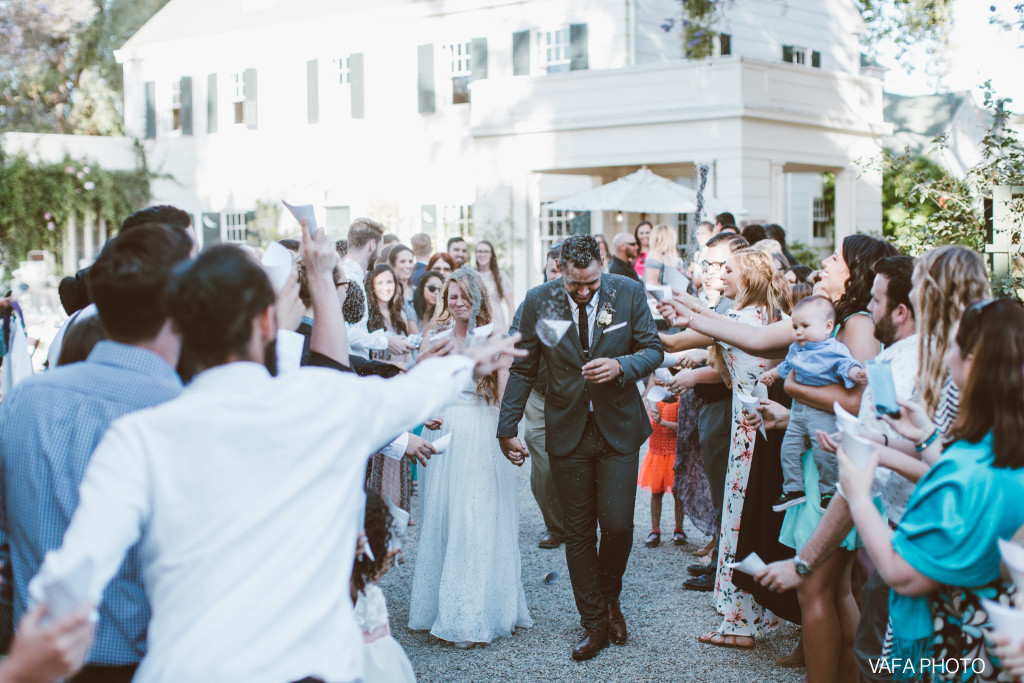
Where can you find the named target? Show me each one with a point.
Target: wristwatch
(803, 570)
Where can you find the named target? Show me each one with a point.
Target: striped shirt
(50, 425)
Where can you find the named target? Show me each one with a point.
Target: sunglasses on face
(708, 265)
(432, 288)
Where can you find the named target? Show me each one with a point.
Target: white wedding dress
(467, 585)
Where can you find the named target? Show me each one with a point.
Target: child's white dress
(384, 660)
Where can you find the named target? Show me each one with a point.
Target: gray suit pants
(541, 483)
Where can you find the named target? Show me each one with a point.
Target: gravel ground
(663, 619)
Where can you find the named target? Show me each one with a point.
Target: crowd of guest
(855, 425)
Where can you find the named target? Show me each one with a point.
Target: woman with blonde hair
(663, 254)
(761, 297)
(467, 587)
(946, 281)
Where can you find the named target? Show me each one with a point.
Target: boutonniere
(604, 318)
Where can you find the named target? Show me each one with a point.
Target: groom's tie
(584, 329)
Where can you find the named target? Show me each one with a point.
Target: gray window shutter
(249, 109)
(356, 82)
(725, 41)
(211, 103)
(312, 92)
(185, 88)
(425, 78)
(478, 58)
(150, 110)
(816, 59)
(787, 53)
(521, 53)
(578, 47)
(211, 229)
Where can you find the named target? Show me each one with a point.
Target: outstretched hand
(489, 355)
(50, 652)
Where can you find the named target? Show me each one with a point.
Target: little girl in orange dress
(656, 474)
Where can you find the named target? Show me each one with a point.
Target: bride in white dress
(467, 586)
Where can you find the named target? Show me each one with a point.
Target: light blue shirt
(50, 426)
(817, 364)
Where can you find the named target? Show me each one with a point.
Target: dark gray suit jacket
(630, 337)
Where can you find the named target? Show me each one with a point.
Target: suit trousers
(541, 482)
(597, 485)
(714, 426)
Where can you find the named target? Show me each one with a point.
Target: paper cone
(859, 450)
(845, 421)
(1013, 558)
(750, 564)
(441, 445)
(1005, 620)
(550, 332)
(277, 262)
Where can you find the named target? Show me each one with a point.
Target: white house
(468, 116)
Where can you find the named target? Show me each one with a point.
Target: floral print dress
(742, 616)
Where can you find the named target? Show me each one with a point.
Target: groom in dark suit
(594, 418)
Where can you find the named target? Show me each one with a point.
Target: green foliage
(805, 255)
(924, 206)
(907, 23)
(36, 200)
(57, 68)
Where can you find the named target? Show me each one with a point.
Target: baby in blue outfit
(816, 359)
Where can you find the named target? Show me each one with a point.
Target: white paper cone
(846, 421)
(301, 211)
(663, 374)
(441, 445)
(750, 564)
(277, 262)
(550, 332)
(1005, 620)
(1013, 558)
(751, 403)
(670, 360)
(859, 450)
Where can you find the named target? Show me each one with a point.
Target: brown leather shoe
(616, 624)
(593, 642)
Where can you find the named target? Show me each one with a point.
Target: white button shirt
(360, 340)
(574, 308)
(246, 492)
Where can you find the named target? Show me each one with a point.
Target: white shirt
(591, 316)
(245, 492)
(893, 488)
(360, 340)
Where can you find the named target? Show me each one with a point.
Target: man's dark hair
(171, 216)
(73, 292)
(754, 233)
(801, 272)
(455, 240)
(362, 231)
(291, 244)
(727, 238)
(555, 252)
(341, 246)
(898, 269)
(389, 238)
(775, 232)
(214, 301)
(579, 251)
(127, 280)
(725, 219)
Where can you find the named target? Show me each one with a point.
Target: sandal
(678, 537)
(725, 640)
(706, 550)
(653, 539)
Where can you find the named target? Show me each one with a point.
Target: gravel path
(663, 619)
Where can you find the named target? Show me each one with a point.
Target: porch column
(87, 237)
(846, 204)
(71, 247)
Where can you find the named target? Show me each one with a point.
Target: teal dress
(802, 520)
(959, 510)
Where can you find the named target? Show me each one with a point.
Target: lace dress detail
(467, 584)
(384, 660)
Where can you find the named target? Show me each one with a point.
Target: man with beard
(895, 326)
(458, 249)
(52, 422)
(246, 490)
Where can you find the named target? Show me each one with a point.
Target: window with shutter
(459, 66)
(176, 105)
(150, 90)
(425, 79)
(211, 103)
(312, 91)
(521, 53)
(249, 77)
(578, 49)
(478, 58)
(357, 89)
(725, 44)
(553, 53)
(787, 53)
(185, 95)
(816, 59)
(238, 97)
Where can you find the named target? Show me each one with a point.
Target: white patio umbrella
(639, 192)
